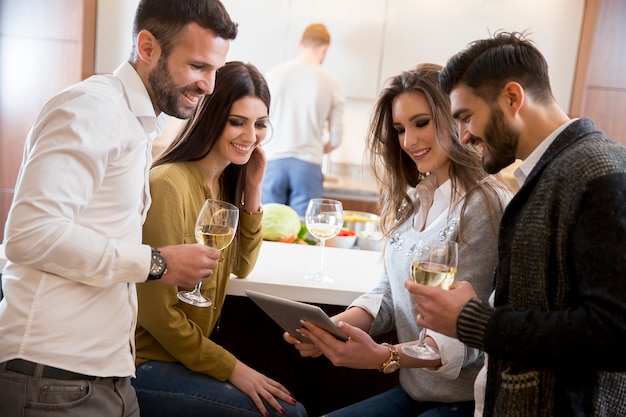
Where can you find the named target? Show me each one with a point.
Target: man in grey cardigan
(556, 334)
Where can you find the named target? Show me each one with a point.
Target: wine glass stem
(422, 341)
(196, 289)
(323, 241)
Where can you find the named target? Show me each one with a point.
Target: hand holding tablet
(288, 313)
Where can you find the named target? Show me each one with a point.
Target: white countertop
(281, 267)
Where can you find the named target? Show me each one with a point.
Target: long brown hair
(396, 172)
(199, 133)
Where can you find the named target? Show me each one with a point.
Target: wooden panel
(606, 108)
(607, 67)
(41, 52)
(587, 35)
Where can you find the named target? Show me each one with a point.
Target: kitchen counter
(281, 267)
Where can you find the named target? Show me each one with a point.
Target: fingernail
(266, 414)
(282, 411)
(293, 401)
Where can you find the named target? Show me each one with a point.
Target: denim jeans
(397, 403)
(171, 389)
(293, 182)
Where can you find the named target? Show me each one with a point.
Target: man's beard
(501, 143)
(166, 93)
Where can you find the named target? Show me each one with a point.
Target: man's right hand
(188, 264)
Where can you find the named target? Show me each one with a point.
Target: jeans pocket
(58, 396)
(518, 395)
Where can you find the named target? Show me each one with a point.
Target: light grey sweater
(454, 380)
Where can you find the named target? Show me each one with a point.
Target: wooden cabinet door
(45, 46)
(600, 84)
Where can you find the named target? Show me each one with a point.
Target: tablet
(288, 313)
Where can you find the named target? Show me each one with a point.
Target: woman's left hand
(256, 168)
(256, 386)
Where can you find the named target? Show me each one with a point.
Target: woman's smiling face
(245, 129)
(413, 120)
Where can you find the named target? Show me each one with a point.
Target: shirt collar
(139, 100)
(525, 168)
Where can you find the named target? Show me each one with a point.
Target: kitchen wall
(371, 40)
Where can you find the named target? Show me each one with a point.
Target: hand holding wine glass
(323, 220)
(433, 265)
(215, 227)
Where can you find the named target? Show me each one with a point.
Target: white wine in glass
(433, 265)
(215, 227)
(323, 220)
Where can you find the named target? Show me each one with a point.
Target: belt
(24, 367)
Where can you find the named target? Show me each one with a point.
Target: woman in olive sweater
(215, 155)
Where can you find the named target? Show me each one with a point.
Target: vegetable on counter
(281, 223)
(346, 232)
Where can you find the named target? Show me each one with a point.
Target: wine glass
(323, 220)
(215, 227)
(433, 264)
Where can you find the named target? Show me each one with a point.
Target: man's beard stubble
(501, 142)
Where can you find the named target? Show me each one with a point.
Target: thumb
(350, 330)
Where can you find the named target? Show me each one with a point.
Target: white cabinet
(263, 26)
(269, 32)
(427, 31)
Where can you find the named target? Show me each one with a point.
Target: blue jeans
(293, 182)
(397, 403)
(171, 389)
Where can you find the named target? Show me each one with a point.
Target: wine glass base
(421, 352)
(194, 299)
(319, 278)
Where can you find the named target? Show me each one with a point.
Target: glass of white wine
(215, 227)
(323, 220)
(433, 264)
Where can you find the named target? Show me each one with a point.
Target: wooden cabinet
(600, 82)
(45, 45)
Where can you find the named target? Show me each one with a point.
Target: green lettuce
(280, 223)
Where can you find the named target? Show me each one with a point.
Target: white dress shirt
(73, 234)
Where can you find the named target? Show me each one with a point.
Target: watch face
(392, 367)
(158, 264)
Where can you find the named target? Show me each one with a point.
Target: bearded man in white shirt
(73, 234)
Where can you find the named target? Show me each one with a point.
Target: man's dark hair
(165, 19)
(486, 66)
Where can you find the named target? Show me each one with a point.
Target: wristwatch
(393, 363)
(158, 266)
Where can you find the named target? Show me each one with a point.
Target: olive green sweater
(169, 330)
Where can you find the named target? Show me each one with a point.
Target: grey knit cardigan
(556, 337)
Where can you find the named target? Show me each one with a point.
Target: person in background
(413, 145)
(307, 107)
(556, 334)
(217, 154)
(73, 234)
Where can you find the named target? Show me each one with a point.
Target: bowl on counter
(370, 240)
(361, 221)
(345, 242)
